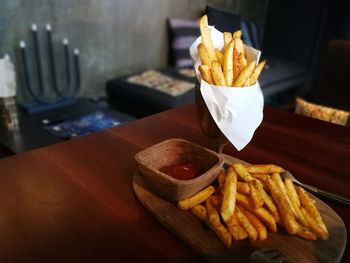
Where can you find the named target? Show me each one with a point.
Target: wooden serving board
(203, 240)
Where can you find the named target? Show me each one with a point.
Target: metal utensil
(321, 193)
(266, 255)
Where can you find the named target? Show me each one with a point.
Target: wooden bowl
(172, 152)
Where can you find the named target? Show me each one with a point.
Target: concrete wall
(115, 37)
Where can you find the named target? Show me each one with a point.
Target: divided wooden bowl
(150, 161)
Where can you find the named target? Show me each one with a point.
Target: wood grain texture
(74, 201)
(200, 238)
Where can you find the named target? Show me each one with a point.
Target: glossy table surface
(73, 201)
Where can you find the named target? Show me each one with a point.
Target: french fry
(200, 211)
(310, 207)
(237, 34)
(255, 221)
(228, 64)
(293, 193)
(215, 224)
(219, 55)
(217, 74)
(255, 194)
(236, 230)
(227, 39)
(261, 212)
(246, 224)
(290, 190)
(216, 201)
(264, 168)
(277, 179)
(244, 75)
(206, 38)
(221, 180)
(285, 211)
(270, 205)
(243, 188)
(267, 218)
(229, 195)
(196, 199)
(239, 46)
(306, 234)
(204, 55)
(237, 63)
(242, 172)
(313, 225)
(255, 75)
(260, 176)
(206, 73)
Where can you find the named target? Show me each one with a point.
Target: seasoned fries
(250, 200)
(196, 199)
(231, 59)
(206, 38)
(216, 225)
(229, 195)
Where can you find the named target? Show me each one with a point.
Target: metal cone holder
(62, 96)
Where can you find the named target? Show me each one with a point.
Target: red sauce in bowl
(183, 171)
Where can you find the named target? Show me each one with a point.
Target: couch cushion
(182, 33)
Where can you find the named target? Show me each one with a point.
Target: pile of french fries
(247, 201)
(227, 67)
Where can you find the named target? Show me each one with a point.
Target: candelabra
(62, 96)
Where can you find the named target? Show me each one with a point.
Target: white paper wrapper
(237, 111)
(7, 79)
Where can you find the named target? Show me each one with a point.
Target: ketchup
(183, 171)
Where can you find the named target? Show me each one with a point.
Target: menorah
(62, 96)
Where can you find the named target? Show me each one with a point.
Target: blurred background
(119, 38)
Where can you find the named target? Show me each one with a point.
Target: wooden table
(73, 201)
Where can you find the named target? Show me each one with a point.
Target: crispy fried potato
(295, 209)
(259, 176)
(246, 224)
(270, 205)
(236, 230)
(255, 221)
(229, 195)
(291, 189)
(237, 34)
(255, 75)
(227, 39)
(219, 55)
(204, 55)
(285, 211)
(228, 64)
(244, 75)
(261, 212)
(313, 225)
(242, 172)
(221, 180)
(264, 168)
(200, 211)
(206, 38)
(255, 194)
(237, 63)
(216, 201)
(217, 74)
(196, 199)
(215, 224)
(310, 207)
(239, 46)
(206, 73)
(243, 188)
(306, 234)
